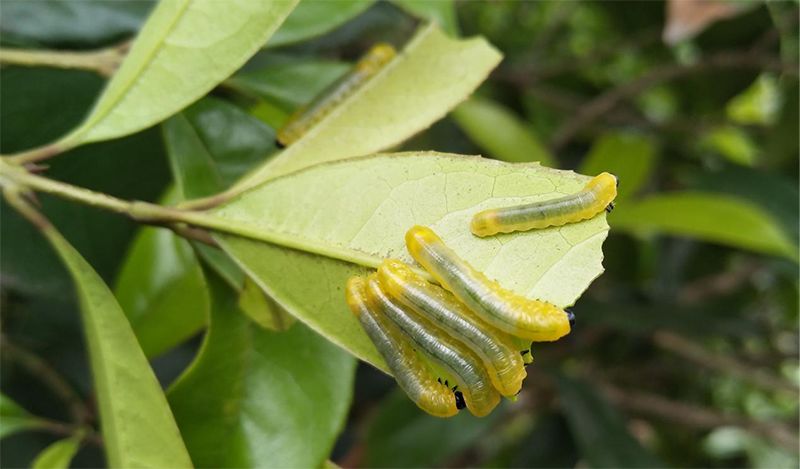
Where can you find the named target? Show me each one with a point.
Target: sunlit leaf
(498, 131)
(258, 398)
(599, 430)
(630, 157)
(706, 216)
(758, 104)
(315, 18)
(59, 454)
(183, 50)
(432, 75)
(350, 215)
(14, 418)
(136, 421)
(733, 143)
(441, 12)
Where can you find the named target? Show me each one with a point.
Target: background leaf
(500, 133)
(268, 399)
(389, 110)
(599, 430)
(356, 212)
(137, 425)
(173, 65)
(59, 454)
(314, 18)
(630, 157)
(710, 217)
(14, 418)
(441, 12)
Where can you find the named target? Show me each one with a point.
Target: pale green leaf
(431, 75)
(758, 104)
(161, 289)
(255, 398)
(14, 418)
(313, 18)
(706, 216)
(629, 156)
(442, 12)
(59, 454)
(733, 143)
(183, 50)
(136, 421)
(347, 216)
(502, 134)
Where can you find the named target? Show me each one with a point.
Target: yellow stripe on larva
(308, 116)
(453, 356)
(503, 362)
(411, 373)
(596, 196)
(519, 316)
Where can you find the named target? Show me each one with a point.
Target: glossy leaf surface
(259, 398)
(314, 18)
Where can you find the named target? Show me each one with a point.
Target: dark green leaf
(601, 433)
(442, 12)
(314, 18)
(259, 398)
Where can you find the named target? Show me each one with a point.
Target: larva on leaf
(468, 370)
(596, 196)
(308, 116)
(502, 360)
(407, 367)
(514, 314)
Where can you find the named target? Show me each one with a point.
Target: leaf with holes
(331, 221)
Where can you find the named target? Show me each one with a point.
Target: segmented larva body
(308, 116)
(454, 357)
(596, 196)
(514, 314)
(503, 362)
(411, 373)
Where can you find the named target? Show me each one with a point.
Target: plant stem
(103, 62)
(171, 217)
(39, 368)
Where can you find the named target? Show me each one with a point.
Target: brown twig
(696, 416)
(697, 354)
(604, 103)
(42, 370)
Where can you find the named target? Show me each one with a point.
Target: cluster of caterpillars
(467, 332)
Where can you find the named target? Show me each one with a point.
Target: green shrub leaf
(498, 131)
(183, 50)
(442, 12)
(314, 18)
(136, 421)
(710, 217)
(631, 157)
(14, 418)
(343, 218)
(59, 454)
(431, 75)
(255, 398)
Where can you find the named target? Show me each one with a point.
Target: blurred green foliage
(703, 245)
